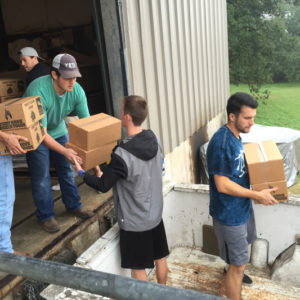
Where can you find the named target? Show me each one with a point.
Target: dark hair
(237, 100)
(54, 70)
(136, 107)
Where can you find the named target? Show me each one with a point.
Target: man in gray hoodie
(135, 173)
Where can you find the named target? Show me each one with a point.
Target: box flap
(271, 150)
(253, 153)
(100, 129)
(264, 161)
(262, 151)
(91, 123)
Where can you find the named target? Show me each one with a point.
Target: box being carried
(266, 169)
(6, 98)
(12, 87)
(94, 131)
(94, 138)
(34, 133)
(20, 112)
(95, 156)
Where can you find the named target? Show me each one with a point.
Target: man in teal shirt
(60, 95)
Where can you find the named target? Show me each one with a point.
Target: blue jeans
(7, 199)
(39, 168)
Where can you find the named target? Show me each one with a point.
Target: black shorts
(139, 250)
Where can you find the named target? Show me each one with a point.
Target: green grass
(281, 109)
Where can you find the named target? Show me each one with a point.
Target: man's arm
(69, 153)
(97, 171)
(226, 186)
(81, 107)
(116, 170)
(13, 142)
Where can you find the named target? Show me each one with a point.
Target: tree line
(264, 41)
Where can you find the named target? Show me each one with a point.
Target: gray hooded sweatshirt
(135, 173)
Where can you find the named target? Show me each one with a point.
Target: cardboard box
(94, 131)
(4, 99)
(20, 112)
(20, 73)
(95, 156)
(13, 87)
(266, 168)
(35, 134)
(281, 193)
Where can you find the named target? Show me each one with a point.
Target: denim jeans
(39, 168)
(7, 199)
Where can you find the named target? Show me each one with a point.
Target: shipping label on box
(94, 131)
(13, 87)
(94, 157)
(20, 112)
(265, 167)
(35, 135)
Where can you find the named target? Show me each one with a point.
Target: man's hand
(76, 166)
(97, 171)
(13, 143)
(227, 186)
(265, 197)
(71, 156)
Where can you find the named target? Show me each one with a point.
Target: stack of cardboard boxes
(11, 88)
(22, 116)
(93, 138)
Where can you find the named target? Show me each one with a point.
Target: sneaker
(56, 187)
(83, 213)
(246, 278)
(50, 225)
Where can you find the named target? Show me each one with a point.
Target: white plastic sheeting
(286, 139)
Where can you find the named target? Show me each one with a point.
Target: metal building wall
(177, 58)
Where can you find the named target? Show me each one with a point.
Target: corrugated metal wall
(177, 58)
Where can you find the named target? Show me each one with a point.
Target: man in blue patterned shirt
(230, 196)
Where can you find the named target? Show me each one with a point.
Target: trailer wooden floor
(189, 268)
(29, 237)
(192, 269)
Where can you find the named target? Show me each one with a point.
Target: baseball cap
(28, 51)
(66, 65)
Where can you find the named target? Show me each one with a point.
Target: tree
(254, 30)
(286, 61)
(293, 24)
